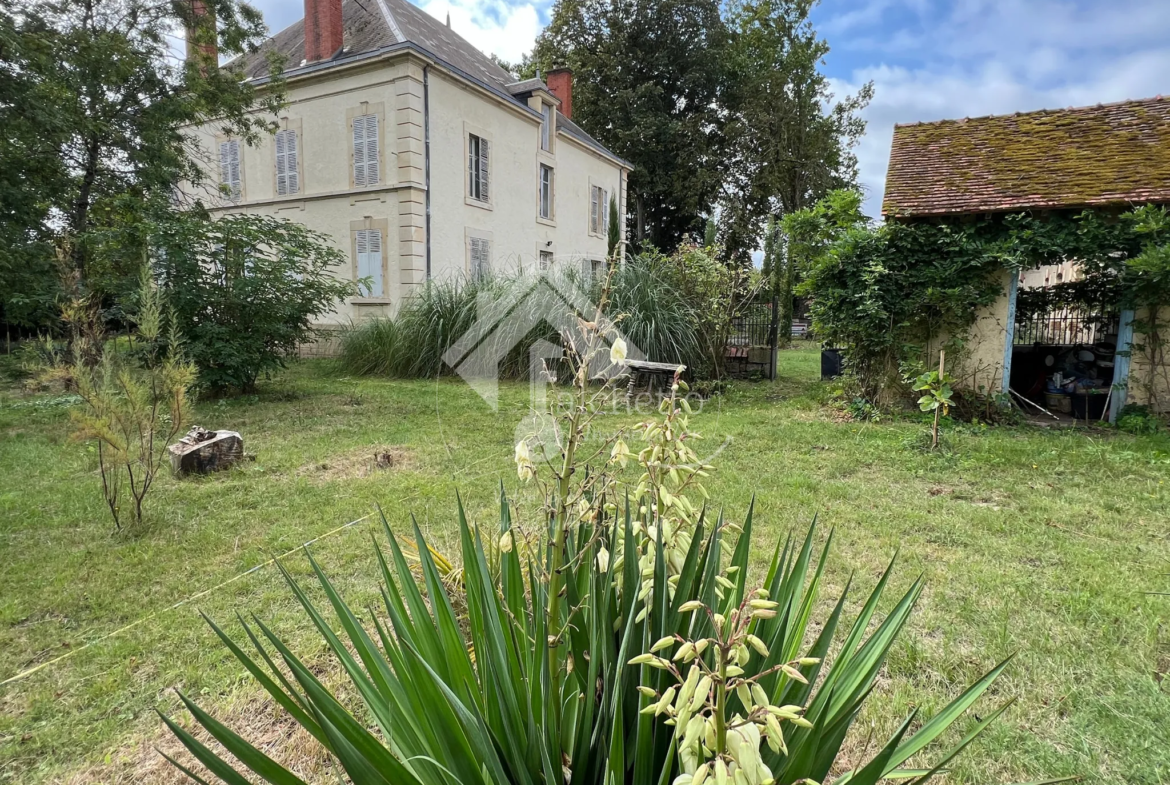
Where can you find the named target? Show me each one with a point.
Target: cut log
(202, 451)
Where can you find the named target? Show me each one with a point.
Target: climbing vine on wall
(883, 293)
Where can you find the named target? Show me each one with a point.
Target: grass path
(1033, 542)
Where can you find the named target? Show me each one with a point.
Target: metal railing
(1069, 326)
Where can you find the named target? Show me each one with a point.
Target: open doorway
(1064, 350)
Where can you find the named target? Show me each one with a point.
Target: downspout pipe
(427, 160)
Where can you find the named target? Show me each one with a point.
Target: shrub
(1138, 419)
(675, 309)
(133, 410)
(246, 291)
(656, 318)
(554, 672)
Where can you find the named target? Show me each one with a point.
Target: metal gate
(751, 345)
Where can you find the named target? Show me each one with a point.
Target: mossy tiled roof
(1097, 155)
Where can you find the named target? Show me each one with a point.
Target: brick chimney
(201, 34)
(560, 84)
(322, 29)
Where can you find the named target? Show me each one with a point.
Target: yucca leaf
(451, 639)
(374, 700)
(288, 700)
(360, 752)
(215, 764)
(251, 757)
(688, 577)
(182, 768)
(375, 665)
(451, 732)
(425, 637)
(970, 737)
(739, 560)
(876, 768)
(933, 728)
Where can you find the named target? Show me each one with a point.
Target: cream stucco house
(418, 155)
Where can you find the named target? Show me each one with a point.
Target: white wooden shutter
(281, 165)
(365, 151)
(229, 166)
(603, 209)
(369, 260)
(484, 146)
(287, 175)
(481, 264)
(373, 174)
(359, 152)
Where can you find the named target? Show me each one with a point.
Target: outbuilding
(1033, 340)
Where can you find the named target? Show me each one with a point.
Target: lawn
(1032, 541)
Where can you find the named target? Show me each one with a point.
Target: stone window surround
(377, 108)
(483, 234)
(552, 197)
(243, 197)
(468, 199)
(377, 224)
(294, 124)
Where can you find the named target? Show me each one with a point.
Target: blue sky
(928, 59)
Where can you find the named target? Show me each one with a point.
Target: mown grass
(1036, 542)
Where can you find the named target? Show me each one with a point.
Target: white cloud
(1003, 56)
(494, 27)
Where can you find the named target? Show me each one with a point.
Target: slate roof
(372, 25)
(1066, 158)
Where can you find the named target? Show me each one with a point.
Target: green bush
(1138, 420)
(246, 291)
(662, 317)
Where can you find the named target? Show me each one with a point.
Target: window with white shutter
(480, 258)
(478, 158)
(288, 179)
(546, 260)
(365, 151)
(368, 246)
(229, 167)
(598, 215)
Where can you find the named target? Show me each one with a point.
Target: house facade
(1109, 158)
(417, 155)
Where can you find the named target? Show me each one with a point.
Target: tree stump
(202, 451)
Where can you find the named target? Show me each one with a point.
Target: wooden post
(942, 360)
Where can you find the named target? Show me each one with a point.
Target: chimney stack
(201, 34)
(322, 29)
(560, 84)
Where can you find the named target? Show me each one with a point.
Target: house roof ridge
(1086, 107)
(391, 23)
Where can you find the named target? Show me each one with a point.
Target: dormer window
(546, 111)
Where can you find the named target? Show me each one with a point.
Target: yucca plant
(477, 702)
(549, 673)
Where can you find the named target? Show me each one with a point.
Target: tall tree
(789, 138)
(97, 116)
(648, 75)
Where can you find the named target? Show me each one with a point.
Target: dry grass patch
(257, 718)
(359, 463)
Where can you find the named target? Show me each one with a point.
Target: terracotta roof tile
(1097, 155)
